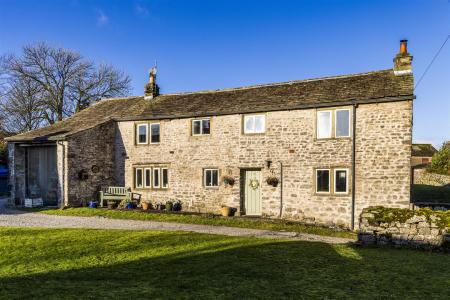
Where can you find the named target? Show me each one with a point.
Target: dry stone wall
(421, 228)
(421, 176)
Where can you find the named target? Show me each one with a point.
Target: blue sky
(216, 44)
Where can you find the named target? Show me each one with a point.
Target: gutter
(281, 189)
(353, 164)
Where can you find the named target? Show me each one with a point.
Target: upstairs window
(254, 124)
(333, 123)
(342, 122)
(142, 134)
(155, 133)
(324, 124)
(200, 127)
(211, 177)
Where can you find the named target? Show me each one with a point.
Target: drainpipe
(61, 143)
(281, 188)
(353, 164)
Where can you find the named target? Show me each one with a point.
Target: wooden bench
(118, 193)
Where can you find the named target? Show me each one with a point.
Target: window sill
(150, 189)
(332, 194)
(333, 138)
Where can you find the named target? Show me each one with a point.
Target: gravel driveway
(17, 218)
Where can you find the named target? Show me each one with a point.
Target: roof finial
(151, 88)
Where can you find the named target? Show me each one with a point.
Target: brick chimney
(403, 60)
(151, 88)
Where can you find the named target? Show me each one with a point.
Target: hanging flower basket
(273, 181)
(228, 180)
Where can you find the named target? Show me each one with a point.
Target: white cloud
(140, 9)
(102, 18)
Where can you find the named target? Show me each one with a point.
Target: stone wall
(421, 176)
(421, 228)
(16, 166)
(383, 155)
(91, 152)
(383, 148)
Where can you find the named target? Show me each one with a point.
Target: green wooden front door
(252, 192)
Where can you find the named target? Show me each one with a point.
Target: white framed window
(155, 133)
(142, 134)
(324, 124)
(342, 123)
(156, 177)
(201, 126)
(138, 178)
(340, 181)
(147, 178)
(254, 124)
(323, 181)
(211, 177)
(164, 178)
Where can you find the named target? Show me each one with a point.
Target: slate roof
(379, 86)
(423, 150)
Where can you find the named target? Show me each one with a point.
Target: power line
(432, 61)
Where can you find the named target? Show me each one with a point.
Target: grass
(265, 224)
(429, 193)
(116, 264)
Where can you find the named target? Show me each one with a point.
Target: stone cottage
(421, 154)
(335, 145)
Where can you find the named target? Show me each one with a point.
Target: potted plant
(177, 206)
(272, 180)
(111, 204)
(227, 211)
(228, 180)
(169, 205)
(146, 205)
(129, 205)
(160, 206)
(92, 204)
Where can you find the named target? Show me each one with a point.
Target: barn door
(252, 192)
(42, 175)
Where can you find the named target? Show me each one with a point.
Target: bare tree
(22, 108)
(67, 82)
(105, 82)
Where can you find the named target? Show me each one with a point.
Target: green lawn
(429, 193)
(266, 224)
(116, 264)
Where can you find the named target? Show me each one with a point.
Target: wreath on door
(254, 184)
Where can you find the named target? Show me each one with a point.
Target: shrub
(440, 163)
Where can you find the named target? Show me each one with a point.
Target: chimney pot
(403, 47)
(403, 60)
